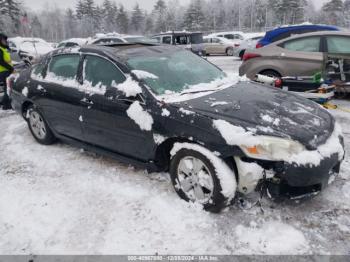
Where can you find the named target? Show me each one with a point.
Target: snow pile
(186, 112)
(219, 104)
(165, 112)
(331, 147)
(223, 171)
(25, 91)
(90, 89)
(272, 238)
(129, 87)
(40, 88)
(235, 135)
(249, 175)
(143, 74)
(141, 117)
(158, 139)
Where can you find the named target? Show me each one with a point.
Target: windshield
(176, 72)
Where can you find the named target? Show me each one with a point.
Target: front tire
(201, 177)
(39, 127)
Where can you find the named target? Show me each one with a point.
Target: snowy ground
(58, 199)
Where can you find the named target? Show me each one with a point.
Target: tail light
(259, 45)
(278, 83)
(237, 45)
(248, 56)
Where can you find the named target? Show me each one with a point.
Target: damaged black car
(166, 109)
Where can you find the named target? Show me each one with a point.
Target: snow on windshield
(175, 71)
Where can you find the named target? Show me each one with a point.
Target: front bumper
(281, 179)
(295, 181)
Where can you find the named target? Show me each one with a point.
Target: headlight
(273, 148)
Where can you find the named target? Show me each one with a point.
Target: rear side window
(101, 72)
(216, 41)
(338, 44)
(309, 44)
(64, 66)
(167, 40)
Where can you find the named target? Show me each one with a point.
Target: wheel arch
(163, 157)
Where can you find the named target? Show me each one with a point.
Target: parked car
(72, 42)
(232, 35)
(218, 46)
(115, 38)
(189, 40)
(284, 32)
(300, 55)
(29, 48)
(249, 42)
(166, 109)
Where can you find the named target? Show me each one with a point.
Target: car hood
(267, 111)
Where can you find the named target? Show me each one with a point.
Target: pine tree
(137, 19)
(194, 18)
(333, 11)
(159, 13)
(122, 20)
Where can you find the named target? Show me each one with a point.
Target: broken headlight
(273, 149)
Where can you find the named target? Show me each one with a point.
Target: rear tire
(39, 127)
(196, 180)
(229, 51)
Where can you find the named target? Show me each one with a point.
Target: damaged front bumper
(282, 179)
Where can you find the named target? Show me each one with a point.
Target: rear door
(302, 56)
(105, 120)
(59, 95)
(218, 46)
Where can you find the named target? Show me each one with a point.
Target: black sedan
(166, 109)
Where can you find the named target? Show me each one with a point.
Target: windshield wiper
(198, 91)
(202, 91)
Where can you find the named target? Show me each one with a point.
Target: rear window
(64, 66)
(196, 38)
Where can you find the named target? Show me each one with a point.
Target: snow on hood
(238, 136)
(266, 111)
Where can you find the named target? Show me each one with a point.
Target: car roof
(228, 32)
(318, 33)
(280, 30)
(122, 51)
(177, 33)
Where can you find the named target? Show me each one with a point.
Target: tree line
(88, 18)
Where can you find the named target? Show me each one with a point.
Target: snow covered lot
(59, 199)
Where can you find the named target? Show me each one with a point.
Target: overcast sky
(146, 4)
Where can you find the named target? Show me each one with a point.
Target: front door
(105, 120)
